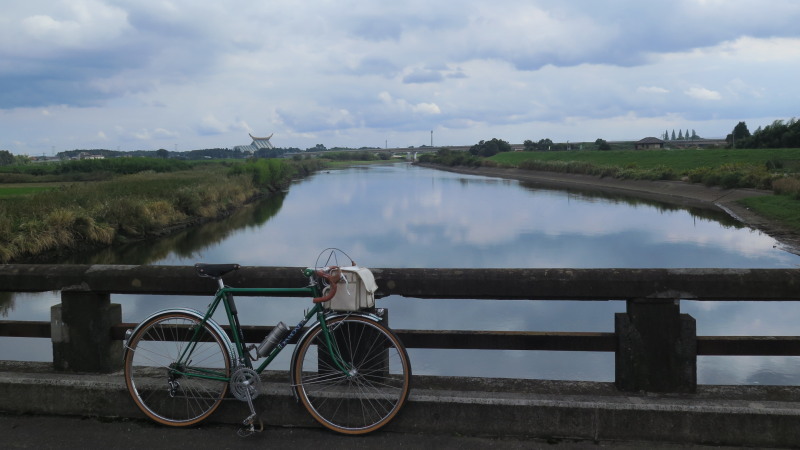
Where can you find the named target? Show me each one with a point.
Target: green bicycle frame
(224, 296)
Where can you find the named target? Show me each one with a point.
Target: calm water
(405, 216)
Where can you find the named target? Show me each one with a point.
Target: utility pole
(431, 138)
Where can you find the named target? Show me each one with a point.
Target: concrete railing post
(80, 329)
(656, 347)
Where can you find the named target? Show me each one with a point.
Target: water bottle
(273, 338)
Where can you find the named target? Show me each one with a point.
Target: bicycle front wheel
(176, 369)
(357, 384)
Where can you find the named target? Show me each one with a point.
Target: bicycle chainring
(243, 381)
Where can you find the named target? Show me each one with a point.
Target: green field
(681, 161)
(21, 190)
(775, 169)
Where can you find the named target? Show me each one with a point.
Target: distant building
(257, 144)
(649, 143)
(44, 159)
(85, 155)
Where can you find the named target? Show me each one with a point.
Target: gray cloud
(423, 76)
(358, 70)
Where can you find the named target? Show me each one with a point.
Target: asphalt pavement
(72, 432)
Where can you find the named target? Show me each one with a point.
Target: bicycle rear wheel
(177, 370)
(375, 386)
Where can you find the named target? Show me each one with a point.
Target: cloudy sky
(189, 74)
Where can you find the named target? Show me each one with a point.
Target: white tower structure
(258, 144)
(262, 142)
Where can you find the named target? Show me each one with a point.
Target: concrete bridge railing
(655, 346)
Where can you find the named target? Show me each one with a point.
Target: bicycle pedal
(244, 433)
(250, 428)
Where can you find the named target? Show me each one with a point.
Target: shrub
(730, 180)
(787, 186)
(268, 173)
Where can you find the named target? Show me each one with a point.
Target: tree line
(779, 134)
(680, 136)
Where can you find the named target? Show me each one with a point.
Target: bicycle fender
(308, 332)
(192, 312)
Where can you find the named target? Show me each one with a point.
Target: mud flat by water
(673, 192)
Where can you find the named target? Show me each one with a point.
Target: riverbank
(674, 192)
(124, 207)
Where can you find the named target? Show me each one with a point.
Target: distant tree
(673, 135)
(694, 135)
(213, 153)
(490, 148)
(602, 144)
(529, 145)
(6, 158)
(162, 153)
(666, 135)
(740, 132)
(779, 134)
(317, 148)
(544, 144)
(680, 135)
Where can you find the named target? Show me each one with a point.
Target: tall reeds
(787, 186)
(89, 214)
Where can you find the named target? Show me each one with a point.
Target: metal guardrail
(655, 346)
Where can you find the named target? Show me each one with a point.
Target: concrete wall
(715, 415)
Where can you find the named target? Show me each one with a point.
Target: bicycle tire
(377, 387)
(152, 353)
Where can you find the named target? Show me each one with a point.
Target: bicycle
(349, 370)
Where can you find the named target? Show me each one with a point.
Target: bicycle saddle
(214, 270)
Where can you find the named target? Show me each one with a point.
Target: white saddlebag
(356, 290)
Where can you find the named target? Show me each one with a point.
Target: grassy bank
(782, 209)
(770, 169)
(729, 168)
(132, 206)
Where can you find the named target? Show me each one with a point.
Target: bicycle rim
(374, 390)
(170, 391)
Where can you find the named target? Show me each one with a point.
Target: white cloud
(155, 134)
(77, 23)
(703, 94)
(403, 105)
(427, 108)
(652, 90)
(211, 125)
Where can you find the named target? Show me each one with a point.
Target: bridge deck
(720, 415)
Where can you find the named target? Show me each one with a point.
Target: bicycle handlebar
(333, 275)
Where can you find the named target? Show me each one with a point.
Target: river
(405, 216)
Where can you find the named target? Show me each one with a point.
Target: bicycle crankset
(245, 384)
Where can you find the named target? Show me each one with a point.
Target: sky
(192, 74)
